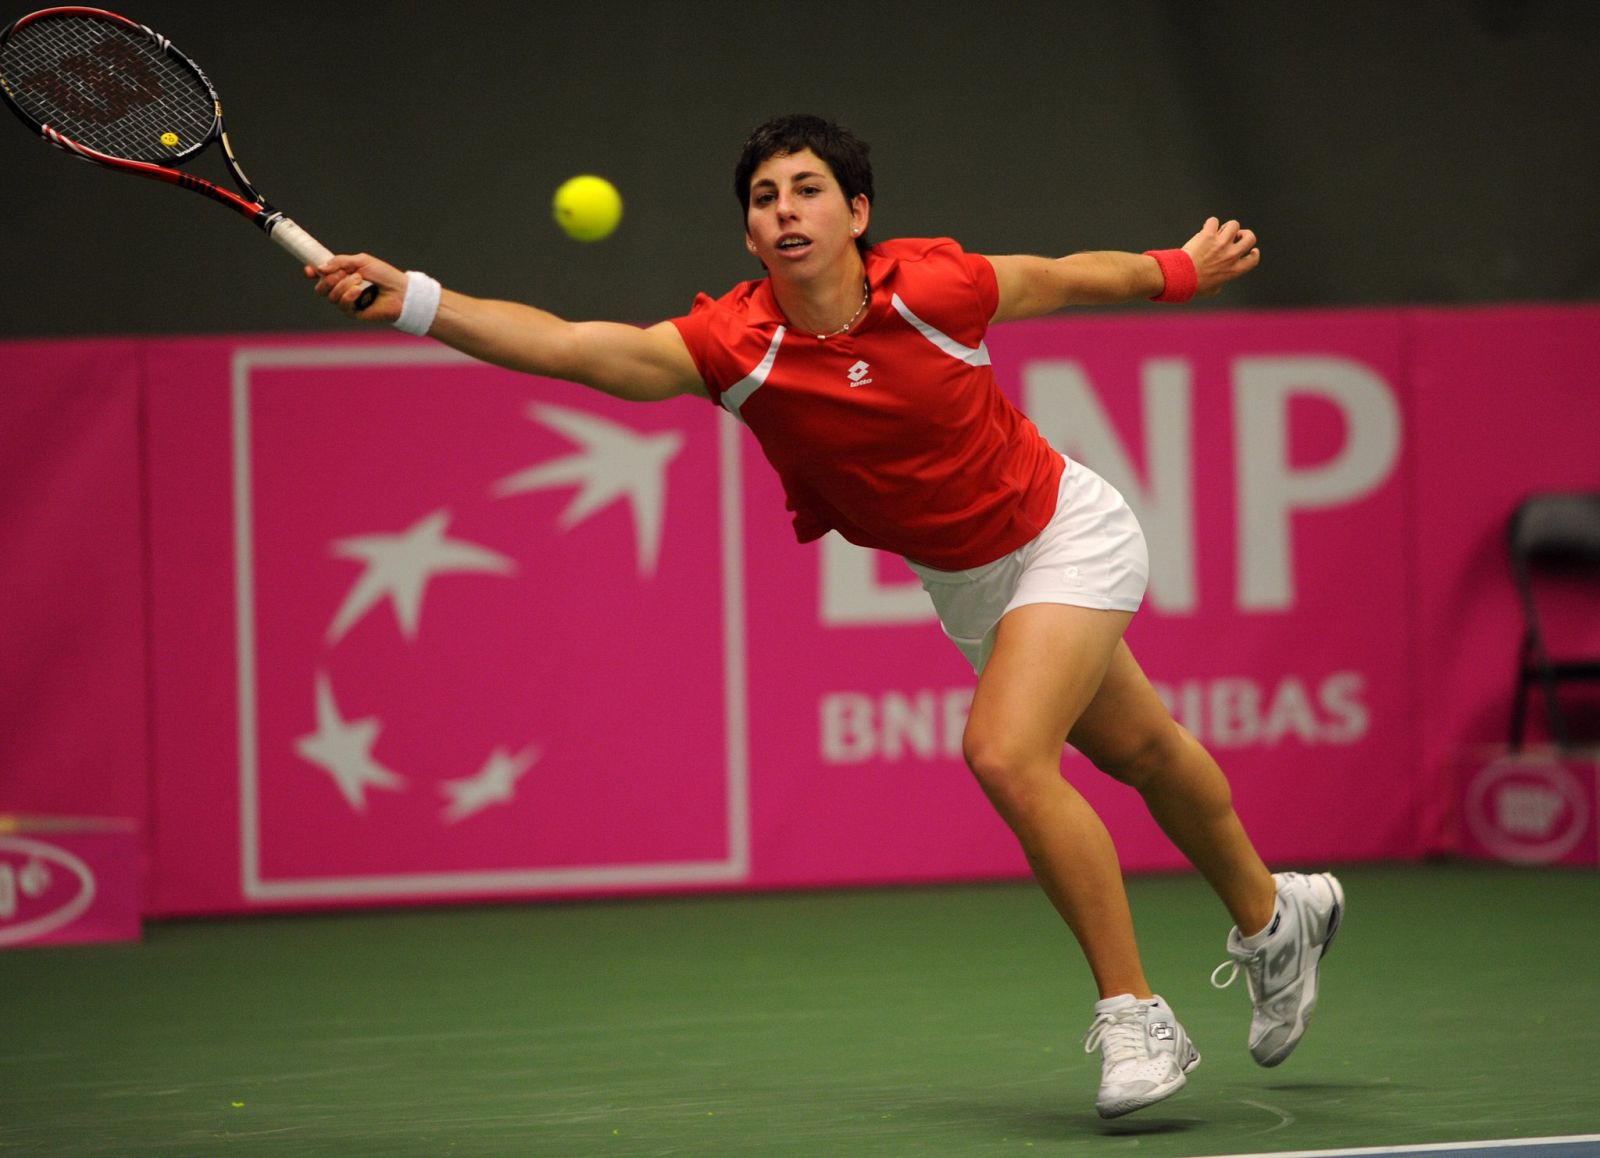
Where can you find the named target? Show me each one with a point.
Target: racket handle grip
(309, 251)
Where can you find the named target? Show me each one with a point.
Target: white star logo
(616, 462)
(495, 783)
(343, 749)
(608, 463)
(399, 567)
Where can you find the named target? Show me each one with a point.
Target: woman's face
(798, 221)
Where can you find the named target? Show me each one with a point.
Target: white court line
(1427, 1147)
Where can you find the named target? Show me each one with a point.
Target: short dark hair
(845, 153)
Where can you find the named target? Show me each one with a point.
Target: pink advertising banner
(421, 629)
(69, 881)
(73, 694)
(466, 633)
(1264, 458)
(1507, 402)
(495, 634)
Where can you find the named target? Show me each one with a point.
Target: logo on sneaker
(858, 375)
(1162, 1031)
(1282, 961)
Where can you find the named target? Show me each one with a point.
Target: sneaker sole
(1159, 1094)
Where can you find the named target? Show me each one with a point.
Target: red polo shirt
(894, 433)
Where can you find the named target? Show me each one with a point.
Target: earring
(855, 231)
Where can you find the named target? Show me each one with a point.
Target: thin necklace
(866, 294)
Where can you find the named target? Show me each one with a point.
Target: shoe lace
(1120, 1034)
(1251, 961)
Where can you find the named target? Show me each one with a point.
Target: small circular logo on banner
(1527, 808)
(42, 888)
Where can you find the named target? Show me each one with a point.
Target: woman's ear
(860, 214)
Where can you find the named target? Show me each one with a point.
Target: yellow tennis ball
(588, 207)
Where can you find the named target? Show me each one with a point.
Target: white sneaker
(1281, 961)
(1144, 1053)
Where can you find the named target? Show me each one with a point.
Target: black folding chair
(1549, 534)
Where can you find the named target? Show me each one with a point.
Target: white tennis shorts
(1090, 554)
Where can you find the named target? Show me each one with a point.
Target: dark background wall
(1386, 153)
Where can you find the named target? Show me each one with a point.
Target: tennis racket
(113, 92)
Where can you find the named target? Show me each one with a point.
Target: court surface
(1460, 1004)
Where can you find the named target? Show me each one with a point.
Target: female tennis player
(861, 370)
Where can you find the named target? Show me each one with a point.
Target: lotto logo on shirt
(858, 375)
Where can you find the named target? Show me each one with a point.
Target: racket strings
(107, 88)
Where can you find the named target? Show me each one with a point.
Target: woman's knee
(1140, 760)
(1009, 773)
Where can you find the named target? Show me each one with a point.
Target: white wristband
(421, 304)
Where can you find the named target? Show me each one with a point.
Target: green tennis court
(1459, 1003)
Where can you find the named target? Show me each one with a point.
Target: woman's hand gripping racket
(113, 92)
